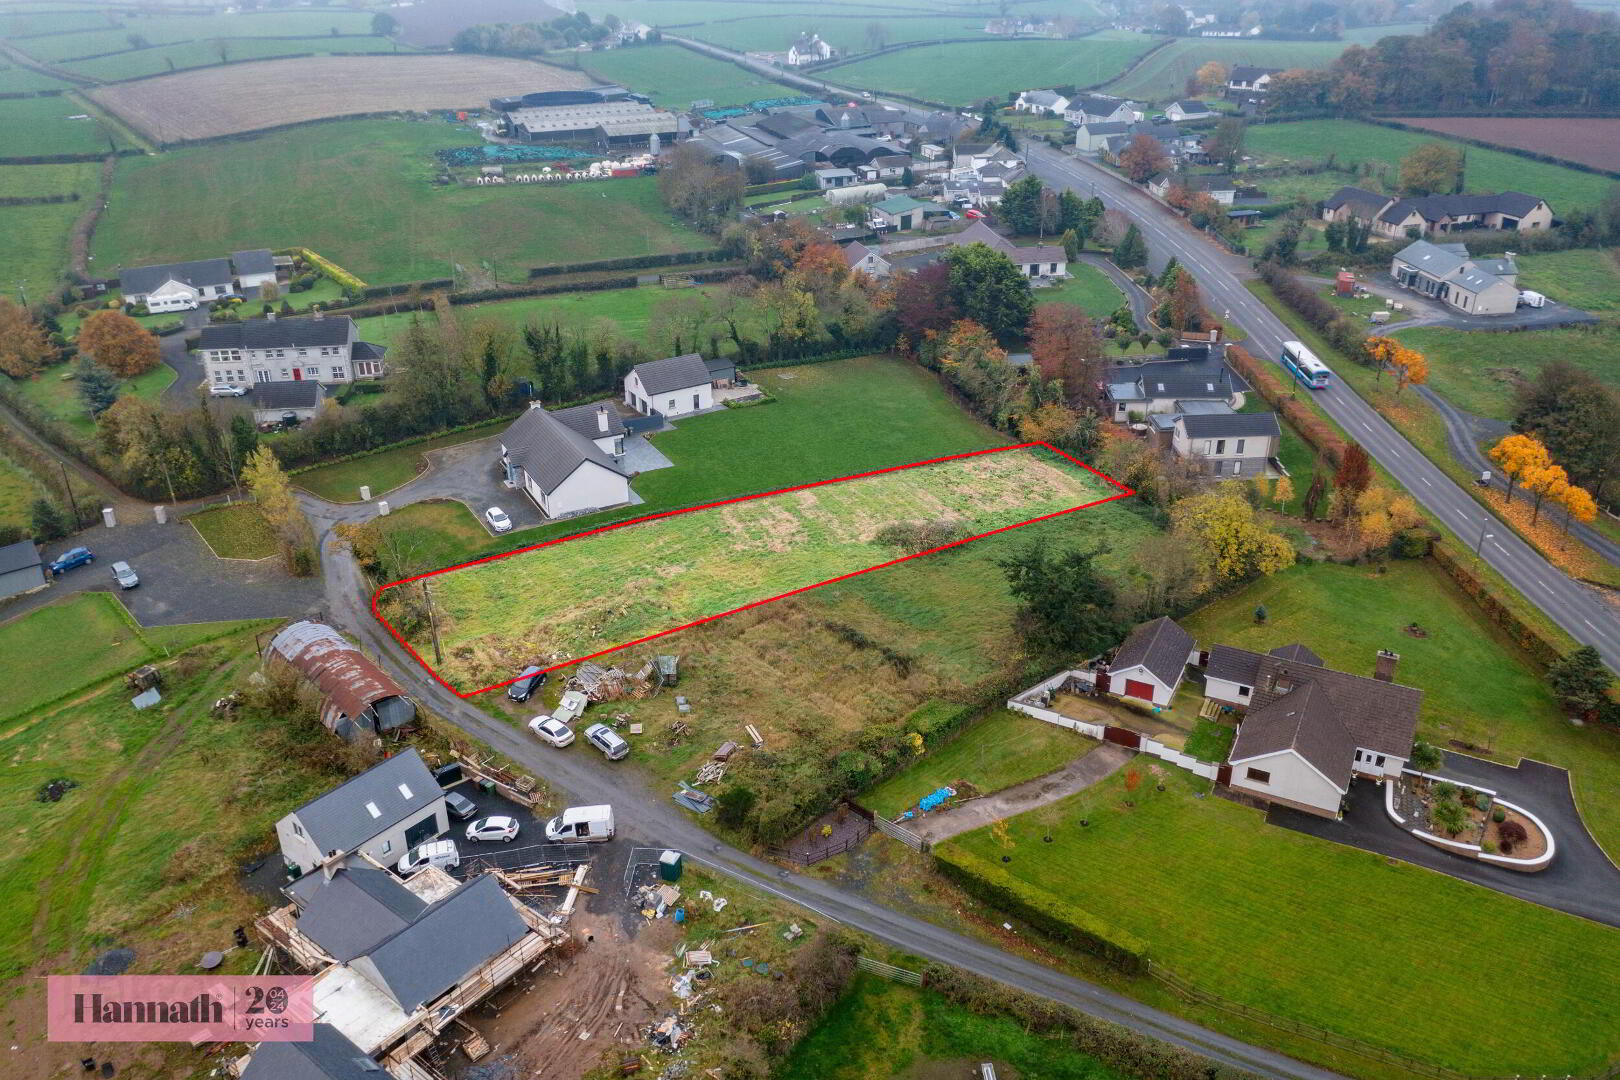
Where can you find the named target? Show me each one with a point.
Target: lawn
(1478, 372)
(964, 73)
(1586, 278)
(87, 637)
(36, 126)
(55, 391)
(382, 471)
(1347, 613)
(676, 77)
(1162, 77)
(881, 1030)
(997, 751)
(597, 592)
(844, 32)
(235, 531)
(1088, 287)
(1257, 915)
(1487, 170)
(139, 63)
(18, 490)
(436, 533)
(360, 192)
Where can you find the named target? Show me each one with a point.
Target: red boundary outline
(1123, 492)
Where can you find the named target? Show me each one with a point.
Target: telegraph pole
(433, 623)
(67, 486)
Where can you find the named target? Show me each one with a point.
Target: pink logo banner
(180, 1008)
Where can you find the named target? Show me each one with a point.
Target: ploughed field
(1584, 140)
(218, 101)
(579, 597)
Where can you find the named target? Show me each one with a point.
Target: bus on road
(1304, 366)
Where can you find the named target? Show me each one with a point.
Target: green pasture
(56, 392)
(963, 74)
(1479, 372)
(164, 29)
(40, 126)
(1162, 77)
(139, 63)
(676, 77)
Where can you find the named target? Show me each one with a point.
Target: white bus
(1304, 366)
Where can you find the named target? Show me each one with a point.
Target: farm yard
(361, 193)
(230, 100)
(965, 73)
(1586, 140)
(656, 575)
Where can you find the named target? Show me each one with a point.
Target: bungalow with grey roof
(1041, 103)
(566, 464)
(1445, 273)
(385, 811)
(185, 285)
(1188, 110)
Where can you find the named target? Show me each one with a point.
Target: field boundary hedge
(332, 270)
(631, 262)
(1321, 438)
(1053, 915)
(1539, 648)
(1485, 144)
(68, 159)
(38, 200)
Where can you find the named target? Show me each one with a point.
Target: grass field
(383, 471)
(1346, 614)
(139, 63)
(360, 192)
(1487, 170)
(676, 77)
(1162, 77)
(59, 397)
(237, 531)
(622, 585)
(38, 126)
(844, 32)
(962, 74)
(1256, 914)
(998, 751)
(35, 252)
(18, 490)
(882, 1030)
(15, 79)
(163, 29)
(1586, 278)
(1478, 372)
(87, 638)
(1088, 287)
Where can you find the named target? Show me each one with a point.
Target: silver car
(125, 575)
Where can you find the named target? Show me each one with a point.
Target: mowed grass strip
(237, 531)
(85, 638)
(967, 72)
(597, 592)
(1309, 930)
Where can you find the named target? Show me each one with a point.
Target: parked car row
(73, 558)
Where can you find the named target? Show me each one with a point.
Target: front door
(298, 374)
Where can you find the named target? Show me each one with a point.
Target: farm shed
(20, 569)
(360, 698)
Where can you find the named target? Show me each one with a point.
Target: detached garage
(21, 570)
(1151, 662)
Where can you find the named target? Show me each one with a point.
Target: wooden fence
(900, 833)
(889, 971)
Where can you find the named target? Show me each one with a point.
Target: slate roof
(548, 450)
(1232, 664)
(1245, 73)
(287, 394)
(1379, 716)
(18, 556)
(980, 233)
(366, 350)
(445, 943)
(1306, 721)
(1107, 127)
(1046, 99)
(1161, 646)
(1366, 204)
(1298, 654)
(328, 1055)
(258, 261)
(289, 332)
(1095, 104)
(1231, 425)
(358, 908)
(1193, 106)
(1450, 262)
(583, 419)
(198, 272)
(673, 373)
(339, 819)
(1204, 377)
(1435, 207)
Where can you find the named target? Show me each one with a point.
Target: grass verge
(236, 531)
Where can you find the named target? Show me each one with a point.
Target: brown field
(1583, 140)
(248, 97)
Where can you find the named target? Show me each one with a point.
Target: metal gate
(1122, 737)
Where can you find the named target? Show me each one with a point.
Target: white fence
(1034, 702)
(888, 971)
(1177, 758)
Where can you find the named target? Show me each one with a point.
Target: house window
(285, 374)
(671, 404)
(1245, 691)
(695, 399)
(298, 830)
(337, 373)
(1380, 761)
(312, 373)
(1220, 446)
(219, 376)
(1237, 468)
(371, 808)
(387, 847)
(1259, 776)
(263, 375)
(1239, 449)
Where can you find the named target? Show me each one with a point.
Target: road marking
(1426, 480)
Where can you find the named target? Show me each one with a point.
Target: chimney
(535, 405)
(601, 419)
(1384, 668)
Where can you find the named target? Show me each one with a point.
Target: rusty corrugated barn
(361, 700)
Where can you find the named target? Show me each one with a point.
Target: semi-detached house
(322, 348)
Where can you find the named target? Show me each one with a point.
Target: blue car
(79, 556)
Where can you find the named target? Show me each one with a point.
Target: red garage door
(1139, 689)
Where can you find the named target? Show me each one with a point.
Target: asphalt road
(651, 818)
(1575, 607)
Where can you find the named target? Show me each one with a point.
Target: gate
(1122, 737)
(1103, 682)
(1223, 774)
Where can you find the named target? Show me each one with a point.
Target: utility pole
(433, 623)
(67, 486)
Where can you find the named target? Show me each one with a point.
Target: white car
(440, 853)
(498, 520)
(125, 575)
(227, 390)
(504, 829)
(607, 740)
(555, 732)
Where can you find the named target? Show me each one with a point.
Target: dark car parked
(460, 806)
(79, 556)
(528, 683)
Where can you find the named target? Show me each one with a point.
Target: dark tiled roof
(1232, 664)
(356, 910)
(1207, 377)
(1435, 207)
(673, 373)
(1108, 127)
(328, 1055)
(143, 279)
(1364, 202)
(339, 820)
(258, 261)
(584, 419)
(445, 943)
(1230, 425)
(1381, 716)
(290, 332)
(18, 556)
(1193, 106)
(1299, 654)
(1244, 73)
(721, 369)
(1305, 720)
(288, 394)
(1161, 646)
(366, 350)
(548, 450)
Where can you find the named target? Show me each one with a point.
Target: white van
(581, 825)
(440, 853)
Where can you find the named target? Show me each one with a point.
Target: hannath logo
(180, 1008)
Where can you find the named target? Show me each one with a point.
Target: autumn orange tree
(119, 344)
(1549, 480)
(1066, 347)
(1578, 506)
(1409, 365)
(1144, 158)
(23, 346)
(1517, 456)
